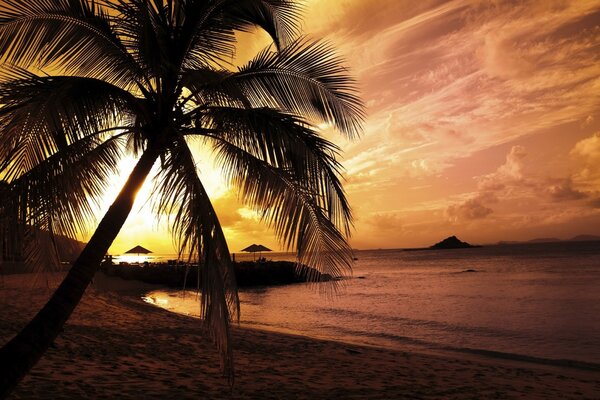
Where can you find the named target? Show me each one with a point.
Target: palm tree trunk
(19, 355)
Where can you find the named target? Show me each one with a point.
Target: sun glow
(456, 145)
(132, 258)
(143, 224)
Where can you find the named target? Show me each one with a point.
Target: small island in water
(451, 242)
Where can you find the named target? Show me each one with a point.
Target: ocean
(539, 302)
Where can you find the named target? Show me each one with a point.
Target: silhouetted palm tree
(146, 77)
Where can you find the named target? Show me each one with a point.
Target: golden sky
(483, 122)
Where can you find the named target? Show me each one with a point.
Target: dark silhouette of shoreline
(248, 273)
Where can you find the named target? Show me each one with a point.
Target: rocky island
(452, 242)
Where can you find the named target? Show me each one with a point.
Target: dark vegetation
(63, 248)
(247, 273)
(85, 83)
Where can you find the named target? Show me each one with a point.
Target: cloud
(228, 209)
(346, 18)
(514, 163)
(509, 173)
(564, 191)
(449, 81)
(457, 79)
(595, 203)
(588, 149)
(387, 222)
(472, 209)
(587, 153)
(589, 120)
(502, 58)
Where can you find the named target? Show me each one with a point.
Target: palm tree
(85, 82)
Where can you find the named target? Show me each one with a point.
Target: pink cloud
(587, 154)
(472, 209)
(509, 173)
(447, 81)
(564, 191)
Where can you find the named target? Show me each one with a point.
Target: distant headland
(578, 238)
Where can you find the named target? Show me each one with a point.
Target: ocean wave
(383, 320)
(405, 340)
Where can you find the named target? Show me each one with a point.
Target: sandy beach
(116, 346)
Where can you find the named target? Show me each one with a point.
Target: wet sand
(116, 346)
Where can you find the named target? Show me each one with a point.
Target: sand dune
(115, 346)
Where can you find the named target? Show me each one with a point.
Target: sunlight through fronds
(213, 41)
(291, 208)
(142, 77)
(55, 196)
(58, 150)
(75, 36)
(306, 78)
(196, 228)
(289, 145)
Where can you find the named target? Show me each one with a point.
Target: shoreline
(115, 345)
(399, 343)
(412, 345)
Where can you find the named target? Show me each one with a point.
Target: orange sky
(483, 122)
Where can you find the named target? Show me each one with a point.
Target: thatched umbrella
(256, 248)
(138, 250)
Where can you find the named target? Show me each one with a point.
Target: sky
(483, 121)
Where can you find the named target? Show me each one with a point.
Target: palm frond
(42, 115)
(144, 74)
(208, 40)
(74, 35)
(210, 28)
(279, 18)
(305, 78)
(142, 28)
(55, 197)
(208, 86)
(286, 143)
(198, 232)
(290, 207)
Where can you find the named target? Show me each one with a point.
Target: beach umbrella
(138, 250)
(256, 248)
